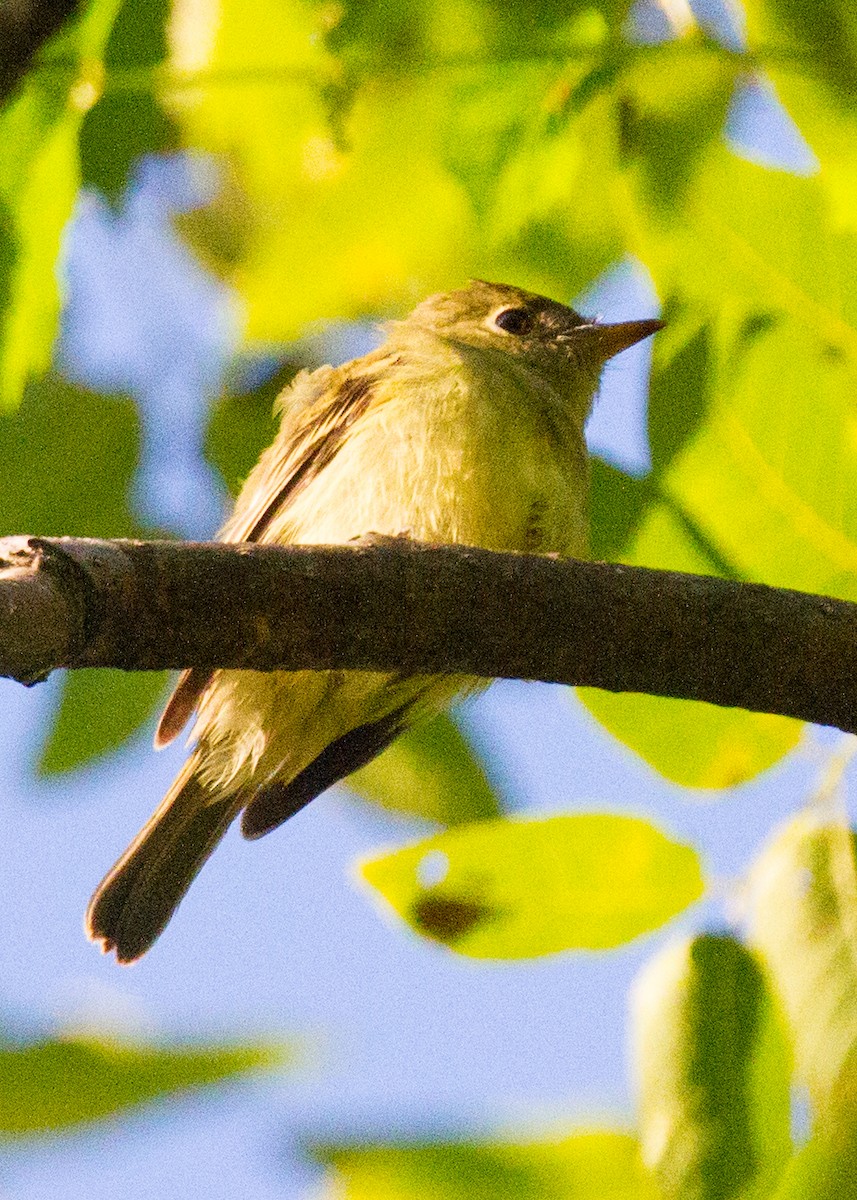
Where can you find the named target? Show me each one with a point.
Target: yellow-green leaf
(819, 1171)
(74, 454)
(587, 1166)
(771, 477)
(712, 1071)
(128, 122)
(50, 1085)
(99, 710)
(39, 177)
(523, 888)
(803, 889)
(431, 772)
(696, 745)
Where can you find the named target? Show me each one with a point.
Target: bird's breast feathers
(443, 449)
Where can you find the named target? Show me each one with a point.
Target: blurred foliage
(430, 772)
(127, 122)
(804, 922)
(588, 1166)
(70, 456)
(366, 155)
(74, 454)
(39, 176)
(45, 1086)
(522, 888)
(99, 711)
(242, 423)
(713, 1071)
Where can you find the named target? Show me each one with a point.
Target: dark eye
(514, 320)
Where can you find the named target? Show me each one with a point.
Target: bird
(465, 426)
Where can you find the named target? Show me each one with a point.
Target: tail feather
(136, 899)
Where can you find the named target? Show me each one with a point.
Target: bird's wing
(319, 410)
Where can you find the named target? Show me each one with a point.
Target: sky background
(393, 1037)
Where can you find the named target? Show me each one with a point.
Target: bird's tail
(133, 903)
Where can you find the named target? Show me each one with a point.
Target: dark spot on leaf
(756, 325)
(448, 918)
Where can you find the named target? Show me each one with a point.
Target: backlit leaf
(51, 1085)
(39, 177)
(522, 888)
(431, 772)
(99, 710)
(587, 1166)
(694, 744)
(712, 1071)
(804, 925)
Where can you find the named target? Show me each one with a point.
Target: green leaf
(693, 744)
(769, 479)
(51, 1085)
(712, 1070)
(780, 251)
(430, 771)
(523, 888)
(99, 711)
(821, 36)
(39, 177)
(670, 108)
(326, 209)
(587, 1166)
(680, 390)
(819, 1171)
(803, 889)
(242, 424)
(75, 454)
(617, 503)
(128, 121)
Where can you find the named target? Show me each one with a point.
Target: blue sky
(394, 1037)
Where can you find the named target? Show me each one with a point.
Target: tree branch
(395, 604)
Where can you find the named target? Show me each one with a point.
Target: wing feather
(319, 409)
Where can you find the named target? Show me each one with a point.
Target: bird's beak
(603, 341)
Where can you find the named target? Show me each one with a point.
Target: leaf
(242, 424)
(430, 771)
(693, 744)
(326, 209)
(51, 1085)
(39, 176)
(617, 503)
(780, 251)
(586, 1166)
(670, 108)
(99, 711)
(822, 36)
(769, 479)
(523, 888)
(128, 121)
(712, 1072)
(804, 926)
(818, 1171)
(680, 391)
(74, 454)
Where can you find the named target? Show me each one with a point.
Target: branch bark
(395, 604)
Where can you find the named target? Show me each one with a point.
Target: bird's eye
(514, 320)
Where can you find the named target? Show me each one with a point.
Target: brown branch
(390, 603)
